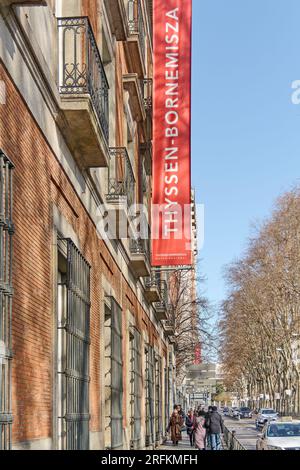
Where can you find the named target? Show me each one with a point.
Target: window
(158, 399)
(73, 343)
(6, 233)
(113, 375)
(135, 388)
(149, 394)
(167, 411)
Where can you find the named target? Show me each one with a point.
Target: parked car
(265, 415)
(225, 410)
(279, 435)
(245, 412)
(233, 412)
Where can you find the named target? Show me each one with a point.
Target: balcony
(132, 84)
(148, 94)
(146, 153)
(152, 287)
(121, 184)
(118, 18)
(161, 307)
(169, 328)
(147, 90)
(135, 45)
(84, 93)
(139, 257)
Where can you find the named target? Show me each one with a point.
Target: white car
(280, 435)
(265, 415)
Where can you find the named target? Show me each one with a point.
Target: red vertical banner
(198, 357)
(171, 197)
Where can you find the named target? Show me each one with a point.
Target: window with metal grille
(135, 388)
(73, 344)
(6, 292)
(149, 394)
(113, 376)
(172, 389)
(167, 406)
(158, 400)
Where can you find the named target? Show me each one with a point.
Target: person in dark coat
(206, 417)
(190, 426)
(215, 427)
(181, 412)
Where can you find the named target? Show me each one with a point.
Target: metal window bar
(140, 246)
(147, 400)
(163, 289)
(77, 340)
(167, 406)
(81, 68)
(116, 377)
(158, 400)
(146, 152)
(172, 398)
(154, 280)
(136, 389)
(6, 293)
(121, 181)
(149, 392)
(147, 93)
(136, 24)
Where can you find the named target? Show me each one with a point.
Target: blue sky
(246, 131)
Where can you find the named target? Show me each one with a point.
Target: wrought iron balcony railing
(136, 24)
(169, 327)
(139, 246)
(147, 93)
(163, 289)
(81, 70)
(153, 280)
(121, 181)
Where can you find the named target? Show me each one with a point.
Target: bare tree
(191, 313)
(260, 319)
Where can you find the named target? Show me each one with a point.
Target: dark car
(225, 411)
(245, 412)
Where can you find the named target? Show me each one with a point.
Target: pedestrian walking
(181, 412)
(175, 426)
(190, 426)
(206, 416)
(215, 427)
(200, 431)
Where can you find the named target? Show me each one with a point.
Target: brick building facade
(87, 356)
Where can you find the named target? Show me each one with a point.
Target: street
(246, 433)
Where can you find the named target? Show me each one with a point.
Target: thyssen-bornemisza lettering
(171, 160)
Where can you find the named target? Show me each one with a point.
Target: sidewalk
(183, 445)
